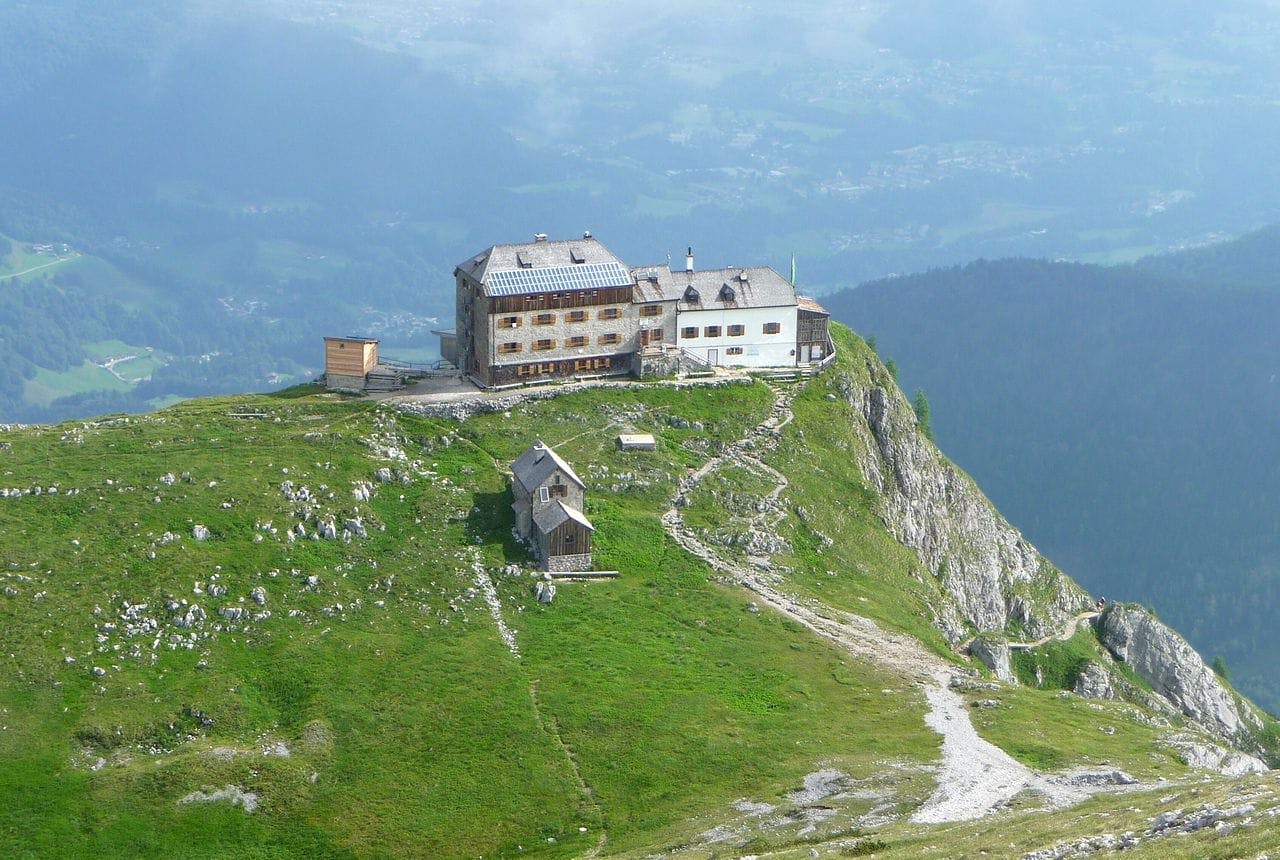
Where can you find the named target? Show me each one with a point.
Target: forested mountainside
(299, 624)
(1123, 417)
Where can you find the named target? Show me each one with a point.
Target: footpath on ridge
(975, 777)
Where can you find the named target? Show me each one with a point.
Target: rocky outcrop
(994, 575)
(995, 656)
(1172, 667)
(1094, 682)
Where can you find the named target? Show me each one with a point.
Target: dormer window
(692, 295)
(577, 255)
(524, 260)
(727, 294)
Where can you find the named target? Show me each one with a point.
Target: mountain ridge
(652, 712)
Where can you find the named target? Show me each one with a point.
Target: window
(733, 350)
(545, 343)
(544, 319)
(509, 347)
(611, 337)
(772, 328)
(575, 316)
(603, 362)
(544, 495)
(654, 335)
(712, 331)
(610, 313)
(689, 331)
(737, 330)
(509, 322)
(526, 370)
(582, 364)
(651, 310)
(576, 340)
(570, 539)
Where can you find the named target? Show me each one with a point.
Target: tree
(924, 417)
(1220, 669)
(892, 366)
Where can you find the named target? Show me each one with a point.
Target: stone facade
(567, 563)
(546, 310)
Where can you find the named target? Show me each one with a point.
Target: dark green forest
(1125, 418)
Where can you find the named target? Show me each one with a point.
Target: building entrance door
(713, 357)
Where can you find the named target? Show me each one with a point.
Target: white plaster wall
(758, 349)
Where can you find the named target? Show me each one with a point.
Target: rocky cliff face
(995, 576)
(1174, 670)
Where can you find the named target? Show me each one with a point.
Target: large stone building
(558, 309)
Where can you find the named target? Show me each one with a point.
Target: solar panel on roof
(587, 276)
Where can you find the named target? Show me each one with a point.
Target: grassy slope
(422, 730)
(641, 707)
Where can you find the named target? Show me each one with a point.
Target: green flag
(793, 270)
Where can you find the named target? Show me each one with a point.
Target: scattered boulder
(994, 654)
(1094, 682)
(232, 794)
(168, 479)
(232, 613)
(544, 591)
(383, 475)
(259, 595)
(355, 526)
(200, 533)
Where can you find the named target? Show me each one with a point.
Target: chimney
(540, 450)
(688, 260)
(539, 237)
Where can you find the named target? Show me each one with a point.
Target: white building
(733, 317)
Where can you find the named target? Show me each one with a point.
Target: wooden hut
(348, 361)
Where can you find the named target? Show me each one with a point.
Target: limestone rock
(986, 566)
(1174, 670)
(259, 595)
(995, 656)
(544, 591)
(1206, 756)
(355, 526)
(200, 533)
(1094, 682)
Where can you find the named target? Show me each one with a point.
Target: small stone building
(549, 497)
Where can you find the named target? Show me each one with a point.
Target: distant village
(552, 310)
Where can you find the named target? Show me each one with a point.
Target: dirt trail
(974, 777)
(1068, 630)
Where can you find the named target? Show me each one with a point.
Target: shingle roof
(553, 516)
(536, 465)
(807, 304)
(576, 264)
(754, 287)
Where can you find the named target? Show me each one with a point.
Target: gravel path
(975, 777)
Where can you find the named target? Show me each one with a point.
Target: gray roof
(534, 267)
(538, 463)
(553, 516)
(754, 287)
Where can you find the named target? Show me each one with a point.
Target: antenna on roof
(586, 234)
(539, 237)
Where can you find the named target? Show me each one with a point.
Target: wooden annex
(348, 361)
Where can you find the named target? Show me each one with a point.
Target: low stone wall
(580, 561)
(336, 382)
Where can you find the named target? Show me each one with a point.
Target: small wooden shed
(348, 360)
